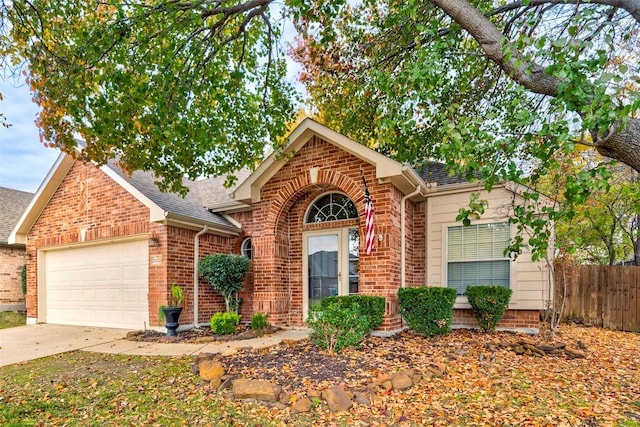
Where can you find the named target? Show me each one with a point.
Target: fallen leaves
(480, 382)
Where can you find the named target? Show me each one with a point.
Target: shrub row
(429, 310)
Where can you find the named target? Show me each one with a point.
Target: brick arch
(327, 180)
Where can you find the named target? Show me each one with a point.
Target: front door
(330, 264)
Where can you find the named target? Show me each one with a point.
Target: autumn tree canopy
(180, 88)
(196, 87)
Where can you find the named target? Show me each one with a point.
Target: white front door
(330, 264)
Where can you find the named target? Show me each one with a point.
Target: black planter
(171, 315)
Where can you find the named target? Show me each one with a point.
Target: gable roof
(163, 207)
(12, 205)
(402, 176)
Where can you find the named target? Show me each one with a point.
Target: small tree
(225, 272)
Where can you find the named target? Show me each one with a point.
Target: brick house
(12, 257)
(105, 247)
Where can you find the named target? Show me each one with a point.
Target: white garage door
(103, 285)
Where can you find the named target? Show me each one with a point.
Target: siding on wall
(529, 280)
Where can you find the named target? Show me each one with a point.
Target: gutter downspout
(196, 256)
(403, 237)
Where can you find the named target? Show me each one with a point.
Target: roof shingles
(12, 205)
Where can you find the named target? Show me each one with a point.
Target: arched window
(245, 248)
(331, 207)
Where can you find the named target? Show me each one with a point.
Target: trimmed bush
(224, 323)
(225, 272)
(427, 310)
(370, 306)
(260, 321)
(489, 303)
(24, 279)
(336, 327)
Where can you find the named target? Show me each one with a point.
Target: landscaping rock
(314, 393)
(255, 389)
(284, 398)
(211, 370)
(301, 405)
(337, 399)
(401, 380)
(362, 398)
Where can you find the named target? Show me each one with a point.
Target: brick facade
(12, 259)
(276, 225)
(513, 319)
(90, 207)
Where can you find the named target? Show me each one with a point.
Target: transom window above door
(331, 207)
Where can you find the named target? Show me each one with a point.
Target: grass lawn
(484, 385)
(11, 319)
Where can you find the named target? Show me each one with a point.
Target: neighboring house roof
(12, 205)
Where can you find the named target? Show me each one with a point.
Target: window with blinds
(475, 256)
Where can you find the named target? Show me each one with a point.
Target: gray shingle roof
(191, 206)
(12, 205)
(437, 172)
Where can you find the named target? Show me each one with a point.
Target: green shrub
(428, 310)
(370, 306)
(24, 279)
(225, 272)
(259, 321)
(336, 327)
(224, 323)
(489, 303)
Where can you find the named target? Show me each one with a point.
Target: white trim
(156, 213)
(461, 300)
(402, 176)
(243, 249)
(306, 212)
(40, 200)
(343, 262)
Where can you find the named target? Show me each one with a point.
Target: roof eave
(213, 227)
(45, 191)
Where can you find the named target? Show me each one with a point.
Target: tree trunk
(621, 144)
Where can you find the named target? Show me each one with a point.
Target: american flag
(368, 215)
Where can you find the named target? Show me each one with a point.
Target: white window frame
(243, 247)
(461, 300)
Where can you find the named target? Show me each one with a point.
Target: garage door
(103, 285)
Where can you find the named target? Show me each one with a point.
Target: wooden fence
(602, 295)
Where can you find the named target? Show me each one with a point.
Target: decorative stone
(301, 405)
(337, 399)
(211, 370)
(362, 398)
(255, 389)
(400, 381)
(284, 398)
(314, 393)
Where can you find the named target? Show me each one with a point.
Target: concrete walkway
(32, 342)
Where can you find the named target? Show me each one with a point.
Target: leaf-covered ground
(485, 384)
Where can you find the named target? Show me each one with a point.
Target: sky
(24, 161)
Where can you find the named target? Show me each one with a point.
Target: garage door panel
(98, 285)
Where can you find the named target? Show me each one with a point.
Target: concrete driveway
(34, 341)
